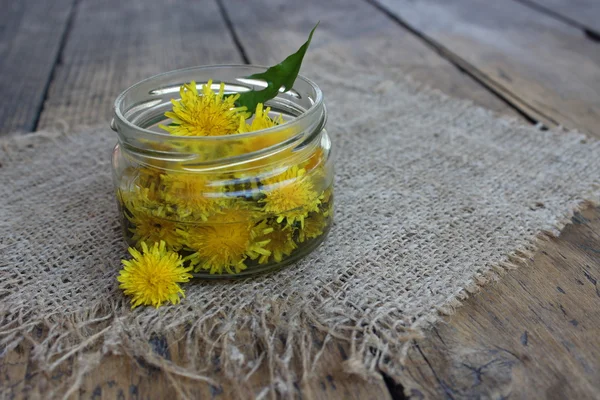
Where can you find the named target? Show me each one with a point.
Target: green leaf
(281, 75)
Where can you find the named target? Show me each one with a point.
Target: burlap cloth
(434, 197)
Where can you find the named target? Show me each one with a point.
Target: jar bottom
(238, 249)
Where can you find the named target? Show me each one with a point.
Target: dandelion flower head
(193, 195)
(225, 241)
(280, 243)
(150, 229)
(152, 276)
(206, 114)
(290, 196)
(314, 226)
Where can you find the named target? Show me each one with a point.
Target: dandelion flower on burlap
(206, 114)
(280, 243)
(225, 241)
(150, 229)
(152, 276)
(290, 196)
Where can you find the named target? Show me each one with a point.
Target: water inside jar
(228, 224)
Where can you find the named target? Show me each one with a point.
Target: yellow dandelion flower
(260, 121)
(314, 226)
(281, 243)
(141, 192)
(327, 195)
(326, 206)
(150, 229)
(208, 114)
(152, 276)
(225, 241)
(290, 196)
(192, 195)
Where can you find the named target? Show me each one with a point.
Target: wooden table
(533, 334)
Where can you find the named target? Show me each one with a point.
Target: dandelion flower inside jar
(234, 191)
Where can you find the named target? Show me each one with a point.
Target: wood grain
(356, 32)
(533, 334)
(113, 44)
(30, 38)
(541, 64)
(583, 13)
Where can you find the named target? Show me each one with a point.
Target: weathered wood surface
(113, 44)
(582, 13)
(533, 334)
(543, 65)
(355, 31)
(30, 38)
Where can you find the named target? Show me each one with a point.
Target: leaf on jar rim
(281, 75)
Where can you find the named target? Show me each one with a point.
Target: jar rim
(316, 106)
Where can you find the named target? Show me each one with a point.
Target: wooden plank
(533, 334)
(30, 38)
(582, 13)
(355, 31)
(541, 64)
(113, 44)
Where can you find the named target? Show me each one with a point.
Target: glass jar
(231, 205)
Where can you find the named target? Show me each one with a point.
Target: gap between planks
(589, 32)
(509, 98)
(57, 61)
(543, 66)
(232, 32)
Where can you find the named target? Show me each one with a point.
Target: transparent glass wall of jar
(232, 205)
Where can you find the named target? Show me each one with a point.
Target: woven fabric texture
(434, 197)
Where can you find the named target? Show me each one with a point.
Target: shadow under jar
(231, 205)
